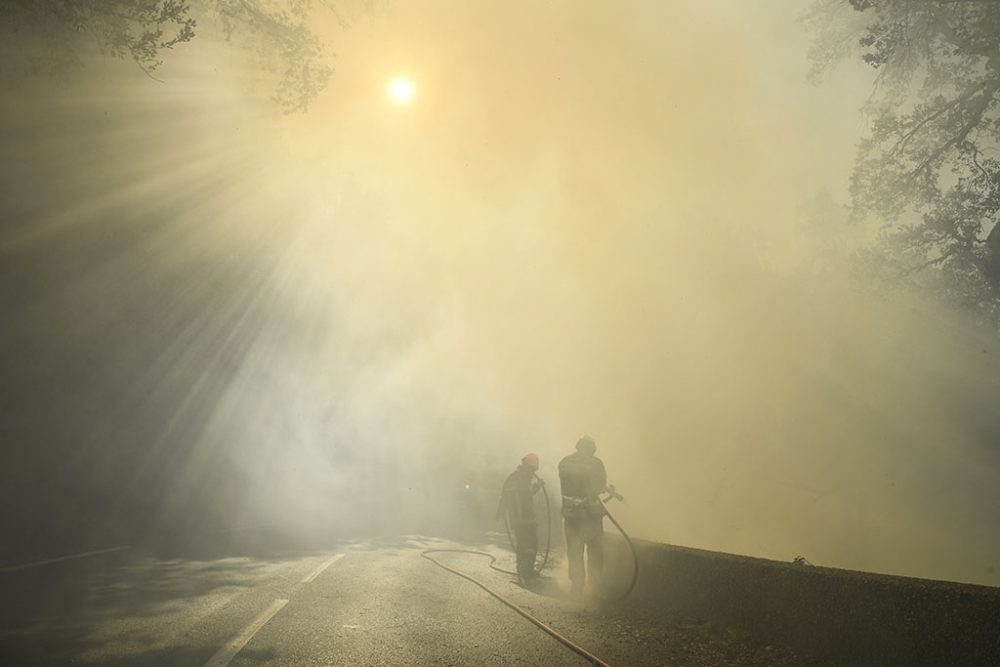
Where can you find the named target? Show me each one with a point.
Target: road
(373, 602)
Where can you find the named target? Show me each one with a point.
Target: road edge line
(60, 559)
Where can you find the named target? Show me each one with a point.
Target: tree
(144, 30)
(929, 166)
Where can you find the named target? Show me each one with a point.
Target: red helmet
(530, 460)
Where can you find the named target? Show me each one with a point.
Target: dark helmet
(586, 445)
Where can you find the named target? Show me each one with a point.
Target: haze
(624, 221)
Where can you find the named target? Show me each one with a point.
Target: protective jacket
(582, 478)
(516, 499)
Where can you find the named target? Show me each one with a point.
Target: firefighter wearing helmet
(582, 478)
(518, 505)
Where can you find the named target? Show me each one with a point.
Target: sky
(617, 219)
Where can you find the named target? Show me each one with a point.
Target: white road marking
(25, 566)
(211, 608)
(225, 654)
(319, 570)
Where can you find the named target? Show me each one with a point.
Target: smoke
(592, 219)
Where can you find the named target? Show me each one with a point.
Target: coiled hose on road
(576, 648)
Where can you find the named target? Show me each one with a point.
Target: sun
(401, 90)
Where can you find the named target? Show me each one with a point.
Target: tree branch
(923, 265)
(963, 133)
(909, 135)
(974, 153)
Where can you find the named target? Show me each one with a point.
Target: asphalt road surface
(375, 602)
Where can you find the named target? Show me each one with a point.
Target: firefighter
(518, 504)
(582, 479)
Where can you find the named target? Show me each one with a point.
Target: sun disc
(401, 91)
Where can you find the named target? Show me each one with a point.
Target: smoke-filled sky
(619, 219)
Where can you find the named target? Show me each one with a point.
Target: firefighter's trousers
(526, 539)
(585, 534)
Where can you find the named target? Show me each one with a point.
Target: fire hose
(631, 547)
(542, 626)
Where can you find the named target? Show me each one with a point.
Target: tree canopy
(929, 166)
(144, 30)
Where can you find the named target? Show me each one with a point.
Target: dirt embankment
(839, 617)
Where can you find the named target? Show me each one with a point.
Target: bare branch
(924, 265)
